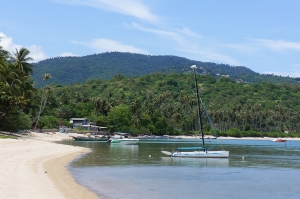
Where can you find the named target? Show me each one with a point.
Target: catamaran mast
(198, 104)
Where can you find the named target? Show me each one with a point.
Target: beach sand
(34, 167)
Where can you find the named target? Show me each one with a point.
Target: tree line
(166, 104)
(155, 103)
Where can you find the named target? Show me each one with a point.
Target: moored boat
(200, 152)
(97, 138)
(197, 152)
(126, 141)
(122, 138)
(279, 140)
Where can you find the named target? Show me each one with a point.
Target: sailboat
(203, 151)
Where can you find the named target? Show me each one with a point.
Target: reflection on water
(243, 153)
(202, 162)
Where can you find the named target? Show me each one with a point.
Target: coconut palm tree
(98, 104)
(21, 60)
(135, 106)
(148, 107)
(46, 91)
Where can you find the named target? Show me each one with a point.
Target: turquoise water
(255, 169)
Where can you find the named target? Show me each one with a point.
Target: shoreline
(35, 167)
(239, 138)
(62, 178)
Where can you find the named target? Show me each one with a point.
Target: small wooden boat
(91, 138)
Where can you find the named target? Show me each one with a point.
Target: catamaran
(203, 151)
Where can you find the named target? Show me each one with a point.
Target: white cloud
(170, 35)
(189, 42)
(133, 8)
(106, 45)
(188, 32)
(7, 43)
(68, 54)
(278, 45)
(207, 55)
(36, 52)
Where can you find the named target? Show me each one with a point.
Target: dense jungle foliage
(70, 70)
(166, 104)
(157, 103)
(16, 88)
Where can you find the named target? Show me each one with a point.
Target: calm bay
(254, 169)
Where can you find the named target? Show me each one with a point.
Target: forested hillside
(158, 102)
(166, 104)
(70, 70)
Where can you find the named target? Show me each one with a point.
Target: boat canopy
(121, 133)
(190, 148)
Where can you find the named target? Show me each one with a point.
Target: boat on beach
(197, 151)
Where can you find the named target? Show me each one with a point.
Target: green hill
(71, 70)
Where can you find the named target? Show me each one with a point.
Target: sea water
(254, 169)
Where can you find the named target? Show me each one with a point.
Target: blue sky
(261, 35)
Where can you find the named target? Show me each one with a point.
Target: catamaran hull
(124, 141)
(199, 154)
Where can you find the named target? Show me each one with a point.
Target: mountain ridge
(72, 70)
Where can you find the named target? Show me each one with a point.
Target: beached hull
(199, 154)
(78, 138)
(124, 141)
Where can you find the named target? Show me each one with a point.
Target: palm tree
(21, 60)
(135, 106)
(136, 121)
(3, 56)
(148, 107)
(46, 91)
(98, 104)
(109, 103)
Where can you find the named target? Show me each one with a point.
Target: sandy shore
(34, 167)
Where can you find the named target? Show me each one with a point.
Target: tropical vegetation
(16, 88)
(155, 103)
(166, 104)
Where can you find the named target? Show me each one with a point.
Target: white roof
(78, 119)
